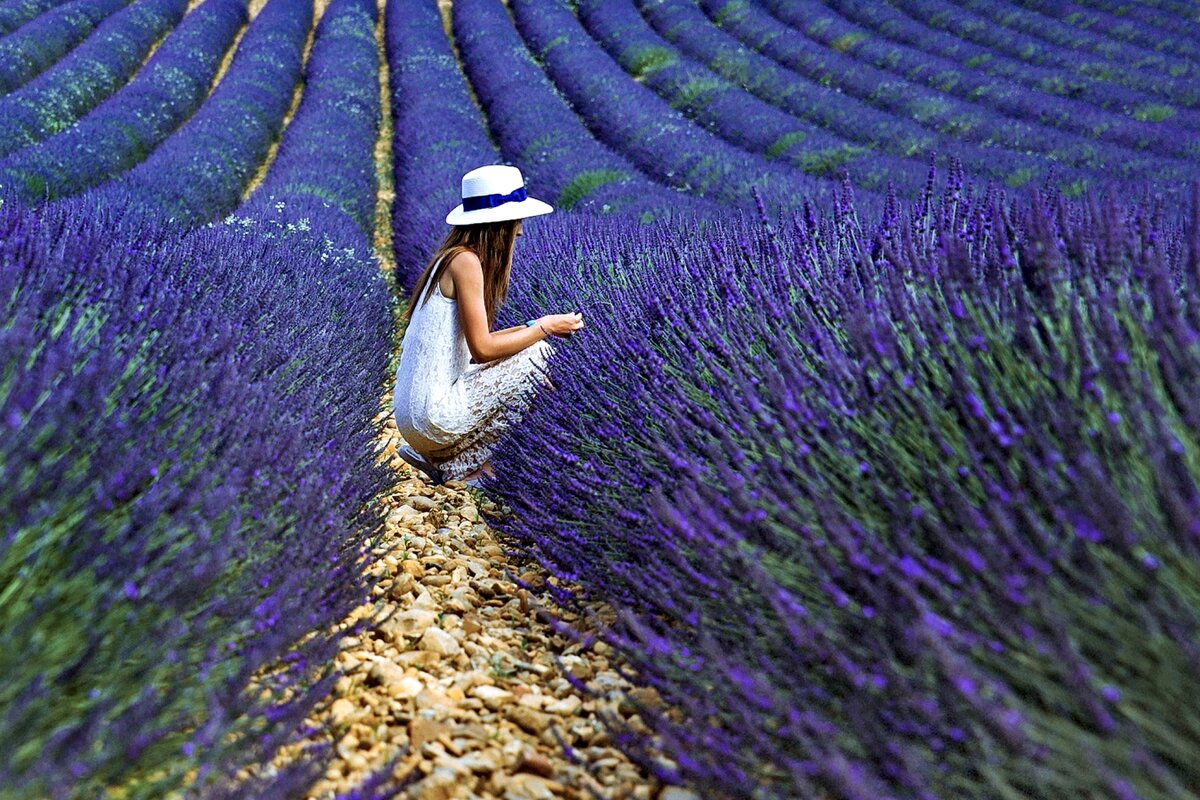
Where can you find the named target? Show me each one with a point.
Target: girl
(451, 412)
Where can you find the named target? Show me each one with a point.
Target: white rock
(567, 706)
(402, 584)
(386, 673)
(675, 793)
(408, 686)
(411, 622)
(523, 786)
(405, 512)
(425, 601)
(441, 784)
(341, 711)
(421, 503)
(438, 641)
(492, 696)
(482, 761)
(536, 701)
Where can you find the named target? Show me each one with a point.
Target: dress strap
(429, 290)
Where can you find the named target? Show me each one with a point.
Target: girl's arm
(467, 274)
(509, 330)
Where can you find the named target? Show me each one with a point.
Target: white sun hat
(495, 193)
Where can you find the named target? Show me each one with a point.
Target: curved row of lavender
(536, 127)
(973, 24)
(1158, 28)
(1156, 31)
(86, 75)
(438, 133)
(987, 124)
(890, 26)
(1088, 43)
(199, 172)
(735, 115)
(685, 25)
(15, 13)
(976, 107)
(32, 48)
(325, 165)
(121, 131)
(643, 128)
(188, 473)
(899, 508)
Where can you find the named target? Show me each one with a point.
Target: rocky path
(458, 670)
(461, 670)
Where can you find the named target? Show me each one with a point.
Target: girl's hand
(561, 324)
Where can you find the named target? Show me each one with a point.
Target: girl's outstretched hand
(562, 324)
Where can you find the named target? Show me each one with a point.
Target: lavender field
(880, 452)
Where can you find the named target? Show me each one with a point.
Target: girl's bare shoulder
(465, 265)
(465, 275)
(465, 258)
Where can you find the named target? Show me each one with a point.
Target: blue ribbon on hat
(482, 201)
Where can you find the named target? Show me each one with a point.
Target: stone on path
(532, 721)
(438, 641)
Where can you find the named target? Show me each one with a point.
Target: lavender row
(637, 123)
(974, 25)
(1121, 27)
(964, 121)
(904, 515)
(1082, 42)
(54, 100)
(685, 25)
(1058, 79)
(36, 46)
(1172, 23)
(324, 169)
(184, 480)
(125, 128)
(439, 133)
(537, 129)
(15, 13)
(734, 114)
(201, 170)
(1000, 97)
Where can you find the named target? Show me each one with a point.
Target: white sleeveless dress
(450, 411)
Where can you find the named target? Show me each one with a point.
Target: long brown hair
(492, 242)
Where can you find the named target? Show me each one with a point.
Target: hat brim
(529, 207)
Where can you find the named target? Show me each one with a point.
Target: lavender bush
(736, 115)
(85, 76)
(976, 122)
(1141, 30)
(538, 129)
(38, 45)
(896, 509)
(1083, 42)
(438, 133)
(894, 26)
(1154, 27)
(637, 123)
(125, 128)
(15, 13)
(325, 165)
(973, 25)
(201, 170)
(185, 490)
(1001, 98)
(685, 25)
